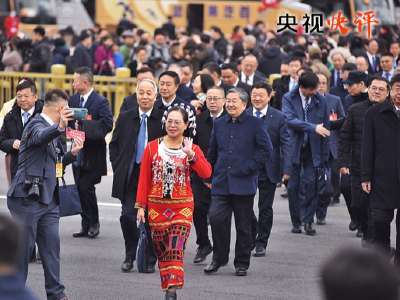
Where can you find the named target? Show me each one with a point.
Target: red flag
(268, 4)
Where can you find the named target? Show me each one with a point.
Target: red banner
(268, 4)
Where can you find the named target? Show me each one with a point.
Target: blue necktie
(398, 112)
(337, 77)
(305, 119)
(258, 114)
(373, 64)
(387, 76)
(141, 140)
(213, 118)
(26, 117)
(82, 100)
(293, 84)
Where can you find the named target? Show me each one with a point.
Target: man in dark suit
(271, 172)
(169, 28)
(187, 68)
(340, 90)
(356, 84)
(386, 64)
(144, 123)
(202, 194)
(372, 57)
(214, 70)
(33, 196)
(25, 108)
(82, 54)
(380, 168)
(338, 61)
(336, 112)
(168, 84)
(308, 120)
(230, 75)
(239, 147)
(91, 163)
(183, 91)
(249, 74)
(130, 102)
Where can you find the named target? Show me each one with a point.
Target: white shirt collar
(30, 112)
(167, 104)
(85, 97)
(391, 72)
(219, 114)
(263, 111)
(188, 84)
(219, 83)
(251, 78)
(48, 120)
(236, 83)
(147, 113)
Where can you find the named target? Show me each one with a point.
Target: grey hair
(242, 94)
(148, 80)
(337, 52)
(249, 37)
(179, 67)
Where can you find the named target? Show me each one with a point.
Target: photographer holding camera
(33, 196)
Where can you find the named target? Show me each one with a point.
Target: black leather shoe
(80, 233)
(321, 222)
(94, 230)
(202, 253)
(260, 251)
(359, 233)
(364, 243)
(353, 225)
(39, 258)
(170, 295)
(151, 268)
(303, 222)
(309, 229)
(296, 230)
(212, 268)
(240, 271)
(127, 265)
(335, 200)
(33, 256)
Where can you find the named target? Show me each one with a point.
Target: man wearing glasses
(239, 147)
(381, 166)
(308, 120)
(350, 141)
(202, 194)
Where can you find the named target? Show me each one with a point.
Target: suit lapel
(298, 105)
(90, 99)
(268, 117)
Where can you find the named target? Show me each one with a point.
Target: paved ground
(90, 269)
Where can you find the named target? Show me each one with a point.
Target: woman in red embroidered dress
(164, 191)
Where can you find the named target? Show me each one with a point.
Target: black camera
(33, 187)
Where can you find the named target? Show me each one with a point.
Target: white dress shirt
(30, 112)
(263, 111)
(147, 128)
(251, 79)
(85, 98)
(303, 99)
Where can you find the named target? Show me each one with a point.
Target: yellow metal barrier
(113, 88)
(272, 77)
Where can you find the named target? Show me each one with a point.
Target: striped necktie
(306, 106)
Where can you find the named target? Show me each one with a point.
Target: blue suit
(271, 173)
(335, 106)
(40, 218)
(311, 156)
(92, 161)
(238, 150)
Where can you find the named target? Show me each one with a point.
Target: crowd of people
(206, 131)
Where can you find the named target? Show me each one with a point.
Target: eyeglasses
(323, 83)
(26, 96)
(374, 88)
(233, 101)
(396, 90)
(215, 99)
(175, 122)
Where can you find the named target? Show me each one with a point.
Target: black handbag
(70, 204)
(142, 255)
(324, 183)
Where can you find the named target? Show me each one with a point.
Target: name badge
(59, 170)
(332, 117)
(72, 133)
(176, 161)
(89, 117)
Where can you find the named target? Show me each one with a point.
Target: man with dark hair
(41, 58)
(11, 285)
(340, 89)
(271, 59)
(356, 84)
(201, 193)
(215, 71)
(91, 163)
(308, 119)
(271, 172)
(82, 54)
(395, 50)
(144, 123)
(159, 47)
(286, 83)
(130, 102)
(33, 196)
(380, 167)
(230, 75)
(169, 28)
(359, 275)
(187, 76)
(284, 70)
(350, 143)
(239, 147)
(249, 73)
(23, 110)
(176, 53)
(220, 43)
(183, 91)
(387, 64)
(371, 54)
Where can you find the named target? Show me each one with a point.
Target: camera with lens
(33, 187)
